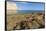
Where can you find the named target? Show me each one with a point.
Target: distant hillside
(29, 11)
(24, 12)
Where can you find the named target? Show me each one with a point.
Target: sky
(24, 7)
(29, 6)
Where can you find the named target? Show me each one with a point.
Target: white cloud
(19, 8)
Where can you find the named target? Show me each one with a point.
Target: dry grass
(12, 20)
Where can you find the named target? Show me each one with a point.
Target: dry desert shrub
(25, 21)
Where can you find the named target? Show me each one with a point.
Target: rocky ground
(25, 21)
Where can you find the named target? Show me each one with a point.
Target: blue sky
(29, 6)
